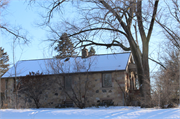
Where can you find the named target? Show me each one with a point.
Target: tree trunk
(142, 64)
(146, 79)
(37, 103)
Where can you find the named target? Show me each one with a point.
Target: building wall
(54, 94)
(2, 85)
(9, 96)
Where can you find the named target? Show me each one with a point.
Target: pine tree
(92, 51)
(64, 47)
(4, 58)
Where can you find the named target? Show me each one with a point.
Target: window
(18, 82)
(137, 82)
(107, 102)
(107, 80)
(67, 81)
(66, 104)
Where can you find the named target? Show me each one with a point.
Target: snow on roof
(96, 63)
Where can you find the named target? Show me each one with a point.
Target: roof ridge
(112, 53)
(71, 57)
(36, 59)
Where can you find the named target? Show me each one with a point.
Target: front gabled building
(93, 79)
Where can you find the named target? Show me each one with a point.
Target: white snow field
(119, 112)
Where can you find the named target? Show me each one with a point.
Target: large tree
(110, 23)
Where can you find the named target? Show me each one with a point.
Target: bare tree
(167, 80)
(170, 22)
(15, 73)
(74, 80)
(4, 67)
(17, 33)
(32, 86)
(115, 20)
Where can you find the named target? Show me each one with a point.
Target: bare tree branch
(174, 37)
(107, 45)
(55, 5)
(152, 20)
(157, 62)
(140, 20)
(98, 29)
(16, 34)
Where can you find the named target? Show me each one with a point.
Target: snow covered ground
(120, 112)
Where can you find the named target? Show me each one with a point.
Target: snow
(109, 62)
(118, 112)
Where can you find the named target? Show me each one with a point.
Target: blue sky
(18, 13)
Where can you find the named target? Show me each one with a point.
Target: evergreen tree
(64, 47)
(92, 51)
(4, 58)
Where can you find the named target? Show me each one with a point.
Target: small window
(69, 104)
(137, 83)
(107, 102)
(67, 81)
(107, 80)
(17, 82)
(66, 104)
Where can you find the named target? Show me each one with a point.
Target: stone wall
(9, 96)
(55, 95)
(2, 88)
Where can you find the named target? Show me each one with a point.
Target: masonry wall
(8, 93)
(2, 88)
(55, 95)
